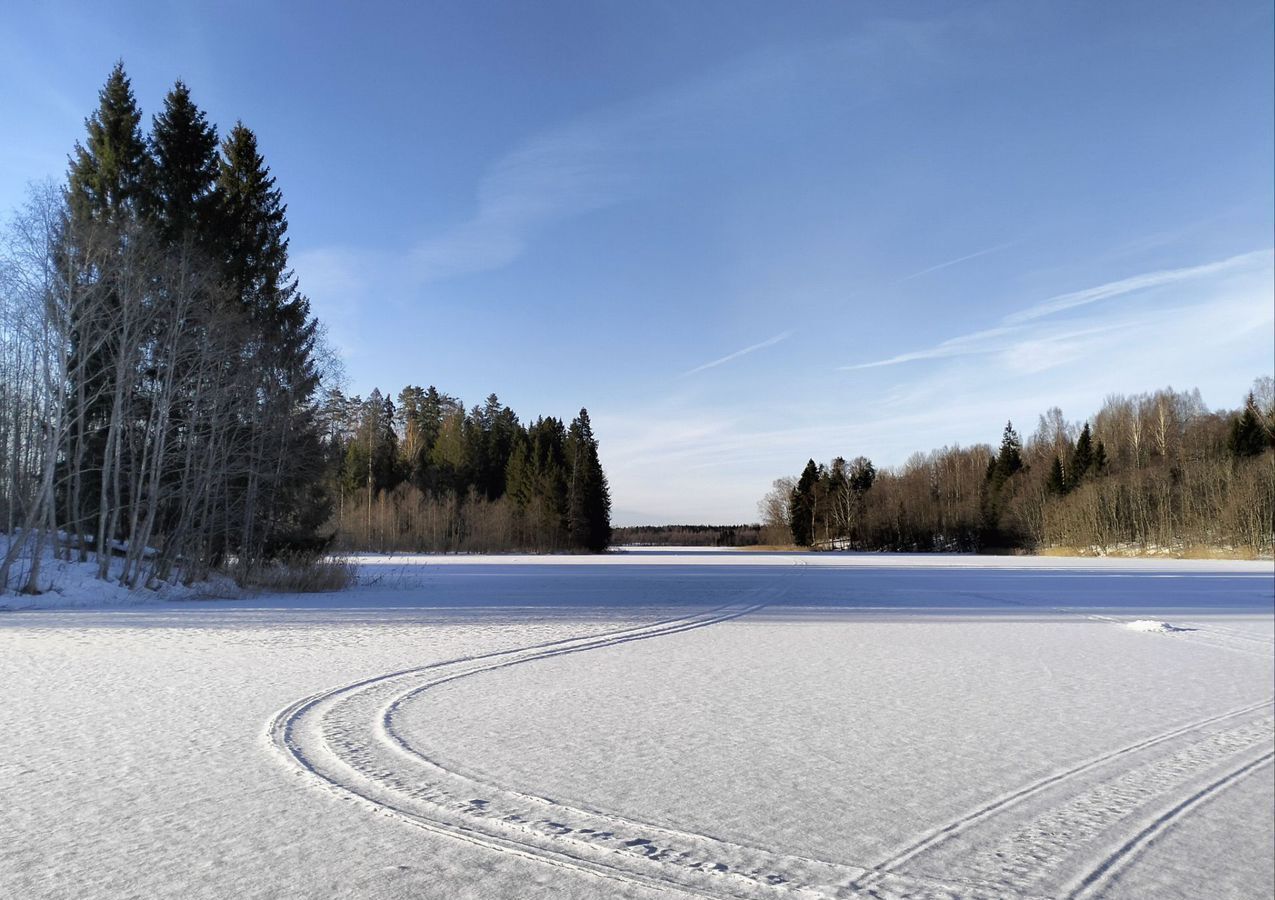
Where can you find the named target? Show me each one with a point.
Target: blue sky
(741, 234)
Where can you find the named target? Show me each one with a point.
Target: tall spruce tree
(106, 199)
(1009, 460)
(589, 498)
(801, 507)
(107, 178)
(285, 453)
(183, 172)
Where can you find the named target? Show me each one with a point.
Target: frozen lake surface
(654, 724)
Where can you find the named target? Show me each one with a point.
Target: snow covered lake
(654, 724)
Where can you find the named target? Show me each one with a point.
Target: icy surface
(652, 724)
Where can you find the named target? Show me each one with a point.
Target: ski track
(1069, 834)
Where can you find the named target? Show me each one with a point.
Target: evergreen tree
(107, 183)
(520, 480)
(106, 198)
(1000, 469)
(548, 439)
(1010, 458)
(285, 455)
(589, 498)
(1247, 436)
(183, 172)
(802, 506)
(1083, 458)
(1056, 484)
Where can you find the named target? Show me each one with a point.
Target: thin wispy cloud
(593, 162)
(1017, 333)
(962, 345)
(559, 174)
(769, 342)
(1141, 282)
(957, 261)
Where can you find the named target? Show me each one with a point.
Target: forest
(1156, 471)
(424, 475)
(168, 405)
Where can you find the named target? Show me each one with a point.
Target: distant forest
(168, 405)
(1155, 471)
(688, 535)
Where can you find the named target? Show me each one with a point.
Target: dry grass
(300, 574)
(1187, 551)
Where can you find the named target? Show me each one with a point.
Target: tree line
(688, 535)
(1152, 471)
(423, 474)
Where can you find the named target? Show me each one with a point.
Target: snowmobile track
(1084, 808)
(348, 740)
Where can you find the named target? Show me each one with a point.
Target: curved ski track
(1069, 834)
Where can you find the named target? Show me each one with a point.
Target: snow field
(522, 729)
(134, 759)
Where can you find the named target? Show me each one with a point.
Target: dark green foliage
(1083, 458)
(1247, 436)
(588, 496)
(999, 489)
(253, 245)
(1088, 459)
(106, 198)
(687, 535)
(550, 478)
(1055, 483)
(107, 179)
(193, 373)
(1009, 460)
(802, 506)
(183, 172)
(371, 458)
